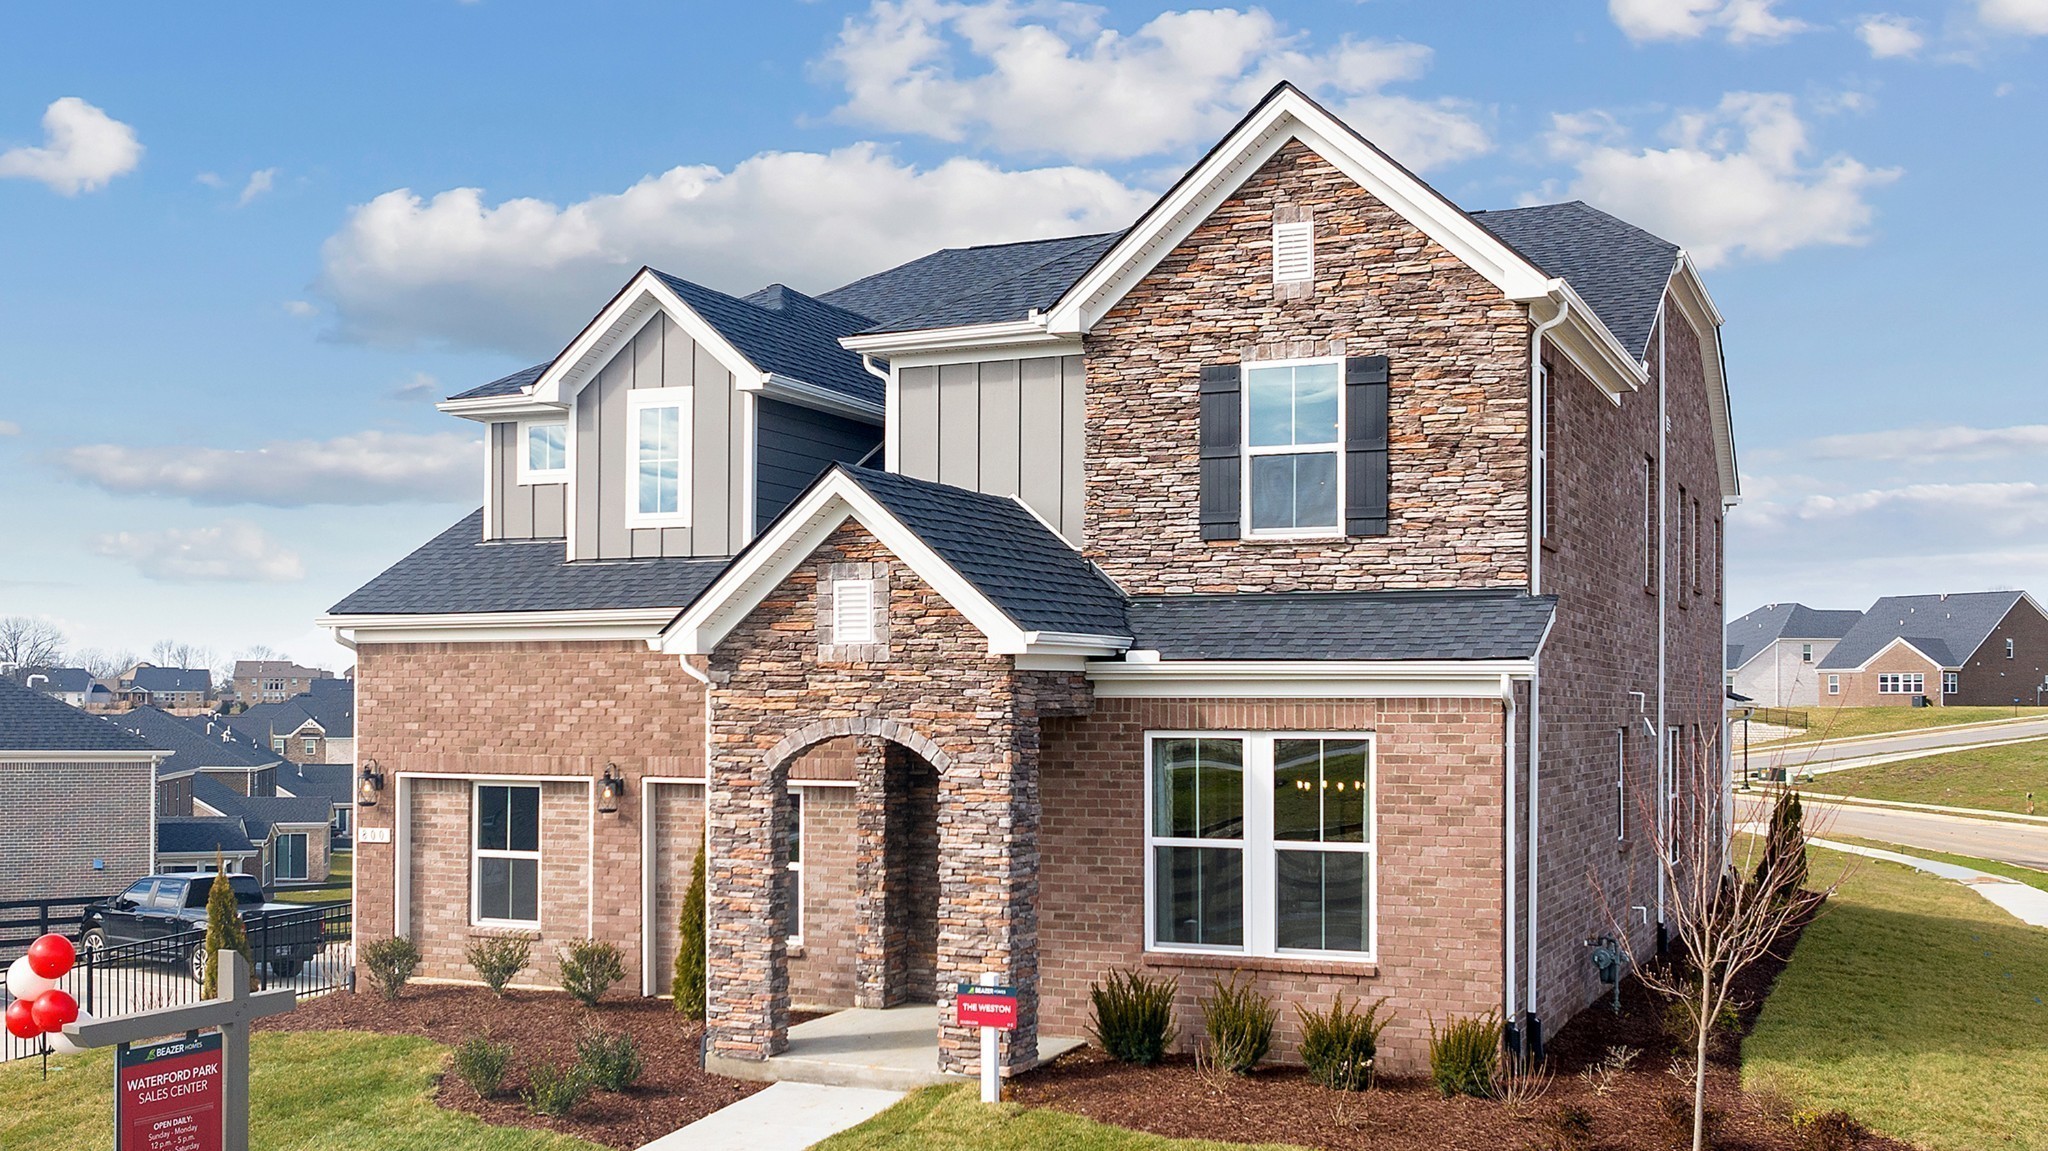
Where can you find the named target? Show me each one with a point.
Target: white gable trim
(834, 500)
(1899, 641)
(1690, 294)
(620, 321)
(1288, 115)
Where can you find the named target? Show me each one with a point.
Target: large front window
(507, 861)
(1292, 417)
(1261, 844)
(658, 435)
(1901, 683)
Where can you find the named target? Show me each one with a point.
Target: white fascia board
(1587, 343)
(1049, 347)
(804, 394)
(497, 409)
(1690, 293)
(490, 627)
(1306, 679)
(618, 323)
(150, 757)
(1006, 336)
(1289, 115)
(1900, 641)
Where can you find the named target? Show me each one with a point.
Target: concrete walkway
(784, 1117)
(2027, 904)
(896, 1049)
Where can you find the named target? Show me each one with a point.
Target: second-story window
(544, 452)
(657, 450)
(1292, 416)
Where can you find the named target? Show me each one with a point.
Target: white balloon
(62, 1042)
(24, 983)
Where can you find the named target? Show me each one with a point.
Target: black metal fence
(311, 951)
(22, 921)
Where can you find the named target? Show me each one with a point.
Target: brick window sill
(530, 934)
(1255, 963)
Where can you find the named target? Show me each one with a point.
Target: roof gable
(990, 283)
(1746, 636)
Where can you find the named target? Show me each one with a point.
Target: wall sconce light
(610, 786)
(368, 784)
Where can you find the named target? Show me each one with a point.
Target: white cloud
(1889, 37)
(1740, 179)
(259, 182)
(9, 428)
(1740, 21)
(522, 274)
(83, 148)
(1931, 445)
(301, 308)
(233, 551)
(1051, 80)
(423, 387)
(2027, 17)
(211, 179)
(365, 468)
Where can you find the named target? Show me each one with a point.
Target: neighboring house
(172, 688)
(77, 800)
(199, 750)
(292, 836)
(333, 782)
(1984, 649)
(318, 726)
(1773, 654)
(1279, 586)
(193, 843)
(69, 684)
(270, 681)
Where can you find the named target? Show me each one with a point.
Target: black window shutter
(1222, 445)
(1365, 446)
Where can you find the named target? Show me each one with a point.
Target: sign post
(993, 1007)
(189, 1094)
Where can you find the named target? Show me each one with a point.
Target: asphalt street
(1881, 749)
(2024, 844)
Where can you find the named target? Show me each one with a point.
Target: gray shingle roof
(200, 835)
(1388, 625)
(979, 285)
(457, 572)
(1949, 628)
(172, 679)
(782, 330)
(191, 747)
(32, 721)
(1615, 266)
(259, 813)
(510, 385)
(331, 782)
(1748, 634)
(66, 679)
(331, 706)
(1007, 553)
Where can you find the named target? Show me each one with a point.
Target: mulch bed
(1280, 1105)
(543, 1026)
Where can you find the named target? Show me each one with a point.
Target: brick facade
(1860, 688)
(105, 817)
(1989, 679)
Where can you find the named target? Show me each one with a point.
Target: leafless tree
(1722, 908)
(29, 643)
(101, 663)
(261, 651)
(177, 653)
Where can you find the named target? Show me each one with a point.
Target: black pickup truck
(169, 912)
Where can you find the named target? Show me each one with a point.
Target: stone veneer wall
(1438, 826)
(1459, 363)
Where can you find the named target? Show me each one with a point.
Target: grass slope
(309, 1091)
(1917, 1007)
(1849, 722)
(339, 865)
(2026, 875)
(953, 1119)
(1990, 778)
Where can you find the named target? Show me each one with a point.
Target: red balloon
(53, 1009)
(21, 1021)
(51, 956)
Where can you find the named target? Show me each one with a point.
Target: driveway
(2018, 843)
(1834, 756)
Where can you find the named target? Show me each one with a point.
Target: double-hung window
(657, 457)
(1951, 682)
(1293, 410)
(506, 867)
(1901, 683)
(289, 855)
(1260, 844)
(310, 746)
(544, 452)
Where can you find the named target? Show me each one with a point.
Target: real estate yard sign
(167, 1095)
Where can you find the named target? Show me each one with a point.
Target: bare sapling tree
(29, 644)
(1728, 898)
(103, 664)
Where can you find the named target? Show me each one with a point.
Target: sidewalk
(2027, 904)
(784, 1117)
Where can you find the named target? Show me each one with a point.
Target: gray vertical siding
(660, 356)
(519, 511)
(1005, 427)
(793, 445)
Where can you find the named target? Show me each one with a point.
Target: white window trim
(310, 745)
(796, 868)
(1621, 785)
(305, 853)
(1247, 451)
(1834, 684)
(1258, 846)
(637, 400)
(531, 475)
(1951, 683)
(476, 853)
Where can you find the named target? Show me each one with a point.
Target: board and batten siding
(1002, 427)
(520, 511)
(660, 355)
(793, 445)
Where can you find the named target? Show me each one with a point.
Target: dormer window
(657, 478)
(1294, 252)
(853, 611)
(544, 452)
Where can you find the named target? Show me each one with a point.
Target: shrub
(224, 931)
(498, 958)
(1784, 862)
(1133, 1016)
(688, 986)
(590, 967)
(608, 1060)
(1465, 1056)
(1239, 1022)
(482, 1064)
(1825, 1130)
(554, 1091)
(391, 963)
(1339, 1045)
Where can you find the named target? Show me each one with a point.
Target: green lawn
(1915, 1006)
(309, 1091)
(1990, 778)
(2026, 875)
(953, 1119)
(337, 886)
(1848, 722)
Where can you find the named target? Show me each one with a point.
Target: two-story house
(270, 681)
(78, 800)
(1314, 580)
(1773, 653)
(1983, 649)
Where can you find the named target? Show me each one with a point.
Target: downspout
(1539, 435)
(1664, 766)
(1507, 702)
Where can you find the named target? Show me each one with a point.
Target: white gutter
(1539, 435)
(1539, 387)
(1663, 618)
(1507, 701)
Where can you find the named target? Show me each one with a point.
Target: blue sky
(243, 247)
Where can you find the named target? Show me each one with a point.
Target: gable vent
(1294, 252)
(853, 611)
